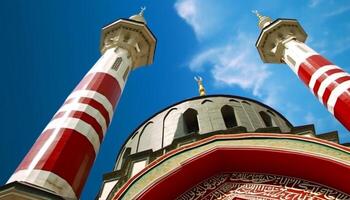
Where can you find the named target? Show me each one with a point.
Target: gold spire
(143, 8)
(139, 17)
(263, 20)
(201, 88)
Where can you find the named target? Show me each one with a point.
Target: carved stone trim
(228, 186)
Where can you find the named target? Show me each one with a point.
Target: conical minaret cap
(263, 20)
(139, 17)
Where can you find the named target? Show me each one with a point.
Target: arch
(164, 124)
(233, 100)
(246, 102)
(229, 116)
(143, 130)
(191, 121)
(206, 100)
(132, 137)
(270, 112)
(267, 119)
(251, 115)
(126, 153)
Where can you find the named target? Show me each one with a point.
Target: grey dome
(202, 115)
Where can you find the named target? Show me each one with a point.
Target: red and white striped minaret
(282, 41)
(62, 156)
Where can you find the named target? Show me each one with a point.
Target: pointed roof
(139, 17)
(263, 20)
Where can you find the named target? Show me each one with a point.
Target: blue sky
(47, 47)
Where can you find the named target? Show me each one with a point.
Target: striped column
(329, 83)
(62, 156)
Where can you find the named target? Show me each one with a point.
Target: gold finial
(143, 8)
(200, 85)
(257, 14)
(263, 20)
(139, 17)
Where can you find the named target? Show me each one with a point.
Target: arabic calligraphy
(229, 186)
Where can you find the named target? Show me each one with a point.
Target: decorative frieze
(229, 186)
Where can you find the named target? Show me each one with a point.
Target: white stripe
(80, 126)
(340, 89)
(103, 60)
(44, 148)
(318, 73)
(299, 56)
(96, 96)
(325, 83)
(45, 179)
(86, 108)
(109, 58)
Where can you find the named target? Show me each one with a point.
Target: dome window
(191, 121)
(229, 116)
(268, 121)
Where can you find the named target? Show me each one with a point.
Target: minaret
(60, 160)
(282, 41)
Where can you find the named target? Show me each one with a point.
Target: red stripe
(323, 77)
(90, 120)
(342, 109)
(98, 106)
(95, 104)
(310, 65)
(70, 156)
(86, 118)
(34, 150)
(102, 83)
(331, 87)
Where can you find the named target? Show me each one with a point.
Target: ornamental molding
(173, 160)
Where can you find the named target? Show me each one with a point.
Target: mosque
(207, 147)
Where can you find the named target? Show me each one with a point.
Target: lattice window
(290, 59)
(117, 63)
(125, 75)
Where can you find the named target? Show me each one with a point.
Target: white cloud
(202, 17)
(326, 46)
(238, 65)
(341, 45)
(187, 9)
(234, 65)
(314, 3)
(338, 11)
